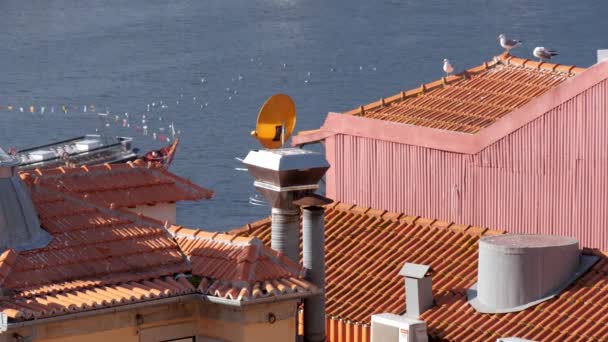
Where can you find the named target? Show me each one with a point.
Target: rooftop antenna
(276, 121)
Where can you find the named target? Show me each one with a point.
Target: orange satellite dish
(276, 121)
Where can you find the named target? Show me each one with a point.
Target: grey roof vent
(19, 225)
(418, 288)
(518, 271)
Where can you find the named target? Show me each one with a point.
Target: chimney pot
(418, 289)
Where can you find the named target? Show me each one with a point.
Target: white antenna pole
(282, 133)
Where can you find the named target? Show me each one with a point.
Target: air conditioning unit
(388, 327)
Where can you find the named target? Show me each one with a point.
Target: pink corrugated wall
(547, 177)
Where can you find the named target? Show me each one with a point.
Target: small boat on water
(90, 149)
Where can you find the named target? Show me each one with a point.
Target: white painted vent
(518, 271)
(602, 55)
(388, 327)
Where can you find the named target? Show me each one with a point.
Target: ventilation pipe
(19, 225)
(418, 289)
(283, 176)
(518, 271)
(313, 255)
(285, 232)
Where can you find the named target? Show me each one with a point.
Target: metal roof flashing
(19, 225)
(517, 272)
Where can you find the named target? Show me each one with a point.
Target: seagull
(543, 53)
(507, 43)
(447, 67)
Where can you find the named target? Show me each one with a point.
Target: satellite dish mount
(276, 121)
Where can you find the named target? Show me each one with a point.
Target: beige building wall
(158, 323)
(162, 211)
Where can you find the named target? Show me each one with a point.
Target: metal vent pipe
(313, 255)
(285, 232)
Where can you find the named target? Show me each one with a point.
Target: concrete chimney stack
(313, 255)
(418, 289)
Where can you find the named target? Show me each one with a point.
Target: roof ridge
(504, 58)
(424, 222)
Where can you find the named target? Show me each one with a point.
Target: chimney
(518, 271)
(313, 255)
(418, 289)
(602, 55)
(19, 225)
(283, 176)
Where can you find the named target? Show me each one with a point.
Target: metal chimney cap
(417, 271)
(285, 159)
(314, 200)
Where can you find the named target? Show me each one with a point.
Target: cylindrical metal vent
(313, 254)
(285, 232)
(516, 271)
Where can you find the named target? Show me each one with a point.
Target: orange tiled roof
(577, 314)
(102, 257)
(365, 249)
(240, 268)
(473, 99)
(125, 185)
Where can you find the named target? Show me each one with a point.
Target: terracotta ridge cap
(426, 87)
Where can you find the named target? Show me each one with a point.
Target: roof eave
(168, 300)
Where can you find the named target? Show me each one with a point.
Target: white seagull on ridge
(507, 43)
(543, 53)
(447, 67)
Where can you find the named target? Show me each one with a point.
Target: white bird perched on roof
(543, 53)
(507, 43)
(447, 67)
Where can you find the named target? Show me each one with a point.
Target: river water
(213, 63)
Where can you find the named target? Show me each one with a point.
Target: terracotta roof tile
(240, 268)
(125, 185)
(84, 299)
(88, 242)
(364, 254)
(101, 257)
(473, 99)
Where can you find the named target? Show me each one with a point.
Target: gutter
(170, 300)
(115, 309)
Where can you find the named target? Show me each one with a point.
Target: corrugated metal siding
(547, 177)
